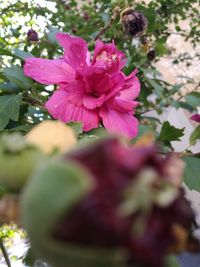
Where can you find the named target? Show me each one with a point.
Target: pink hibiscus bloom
(89, 92)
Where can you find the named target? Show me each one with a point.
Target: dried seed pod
(134, 22)
(151, 55)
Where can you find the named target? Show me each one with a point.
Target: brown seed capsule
(151, 55)
(74, 29)
(133, 22)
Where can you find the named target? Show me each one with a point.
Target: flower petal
(131, 87)
(119, 122)
(48, 71)
(60, 108)
(124, 105)
(76, 51)
(117, 80)
(92, 102)
(75, 92)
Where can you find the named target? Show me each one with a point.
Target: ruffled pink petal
(131, 88)
(76, 53)
(99, 46)
(91, 102)
(75, 92)
(124, 105)
(60, 108)
(116, 122)
(48, 71)
(118, 79)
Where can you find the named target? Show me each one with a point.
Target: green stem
(4, 252)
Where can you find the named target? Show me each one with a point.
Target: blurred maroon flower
(86, 15)
(137, 204)
(195, 117)
(32, 36)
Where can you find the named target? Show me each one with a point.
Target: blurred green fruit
(17, 161)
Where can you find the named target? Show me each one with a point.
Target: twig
(145, 111)
(4, 252)
(31, 100)
(104, 29)
(4, 10)
(184, 95)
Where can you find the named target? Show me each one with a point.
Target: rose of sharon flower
(89, 91)
(137, 204)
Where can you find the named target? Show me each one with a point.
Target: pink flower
(89, 92)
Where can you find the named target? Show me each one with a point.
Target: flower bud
(74, 29)
(195, 117)
(52, 136)
(32, 36)
(18, 159)
(134, 22)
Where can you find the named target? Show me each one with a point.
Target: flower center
(106, 57)
(92, 92)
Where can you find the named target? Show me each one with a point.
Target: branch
(4, 252)
(33, 101)
(196, 88)
(4, 10)
(116, 12)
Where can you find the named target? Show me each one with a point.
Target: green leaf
(192, 173)
(22, 54)
(171, 261)
(7, 87)
(29, 258)
(170, 133)
(175, 88)
(105, 18)
(193, 99)
(9, 109)
(15, 74)
(93, 135)
(51, 35)
(143, 129)
(77, 127)
(157, 87)
(161, 47)
(5, 52)
(195, 136)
